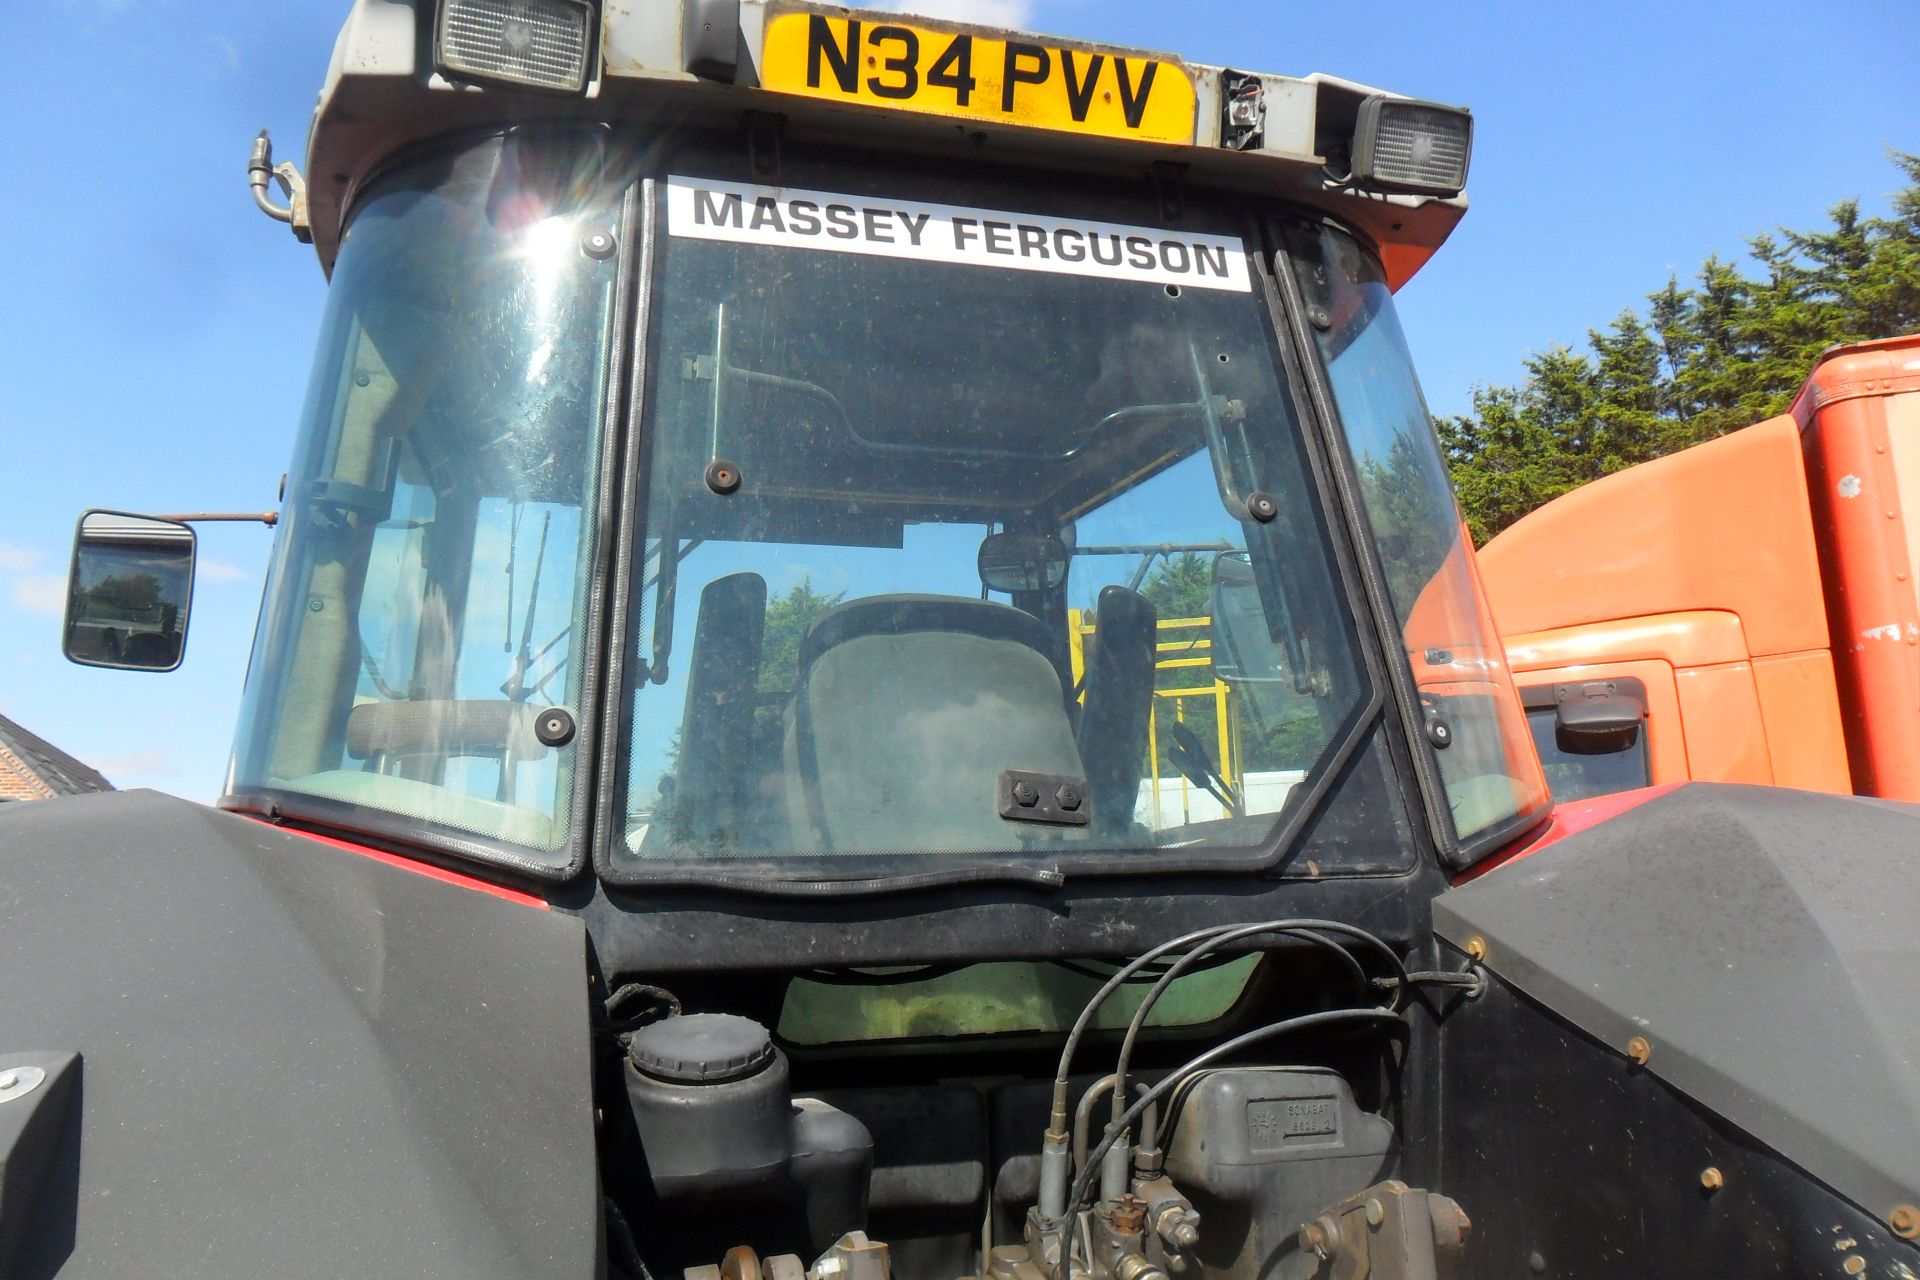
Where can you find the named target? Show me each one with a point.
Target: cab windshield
(943, 483)
(969, 518)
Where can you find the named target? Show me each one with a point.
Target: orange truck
(1741, 611)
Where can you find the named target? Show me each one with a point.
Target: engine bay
(1266, 1142)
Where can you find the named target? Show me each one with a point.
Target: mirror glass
(1243, 647)
(1022, 562)
(129, 592)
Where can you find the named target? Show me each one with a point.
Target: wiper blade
(1049, 878)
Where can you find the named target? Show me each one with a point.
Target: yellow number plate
(974, 76)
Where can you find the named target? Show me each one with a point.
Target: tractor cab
(742, 480)
(868, 669)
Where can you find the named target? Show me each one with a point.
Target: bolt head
(1376, 1212)
(1905, 1221)
(1476, 949)
(8, 1080)
(1025, 795)
(1639, 1051)
(1067, 798)
(1711, 1179)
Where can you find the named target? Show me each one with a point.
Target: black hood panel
(294, 1060)
(1765, 943)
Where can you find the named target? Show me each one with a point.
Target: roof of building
(31, 768)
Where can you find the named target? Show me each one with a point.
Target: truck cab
(1754, 598)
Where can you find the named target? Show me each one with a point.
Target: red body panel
(425, 869)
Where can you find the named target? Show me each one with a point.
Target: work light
(1418, 147)
(542, 44)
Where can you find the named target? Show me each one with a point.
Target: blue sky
(155, 331)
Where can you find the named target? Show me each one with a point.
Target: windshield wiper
(1018, 873)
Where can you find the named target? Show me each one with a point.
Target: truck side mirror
(129, 592)
(1598, 717)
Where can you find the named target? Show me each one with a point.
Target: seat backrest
(907, 710)
(716, 728)
(1119, 703)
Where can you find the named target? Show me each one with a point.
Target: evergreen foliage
(1729, 349)
(788, 618)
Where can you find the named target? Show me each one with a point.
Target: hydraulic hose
(1083, 1115)
(1056, 1155)
(1058, 1117)
(1219, 1051)
(1312, 931)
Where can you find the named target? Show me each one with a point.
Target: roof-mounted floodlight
(1416, 147)
(536, 44)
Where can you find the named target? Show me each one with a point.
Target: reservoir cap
(701, 1048)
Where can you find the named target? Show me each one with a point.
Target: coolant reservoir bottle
(711, 1101)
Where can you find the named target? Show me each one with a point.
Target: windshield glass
(939, 486)
(430, 577)
(1474, 721)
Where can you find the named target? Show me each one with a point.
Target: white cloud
(30, 588)
(41, 593)
(220, 571)
(133, 764)
(988, 13)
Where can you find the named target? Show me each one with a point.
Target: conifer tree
(1727, 349)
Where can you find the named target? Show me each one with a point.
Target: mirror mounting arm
(268, 518)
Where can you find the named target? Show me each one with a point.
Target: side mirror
(1242, 642)
(1022, 562)
(1598, 717)
(129, 592)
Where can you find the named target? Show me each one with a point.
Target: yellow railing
(1174, 651)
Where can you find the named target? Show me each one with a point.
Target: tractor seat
(907, 710)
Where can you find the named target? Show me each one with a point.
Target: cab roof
(663, 64)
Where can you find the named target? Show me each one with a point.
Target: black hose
(1363, 990)
(1058, 1116)
(1172, 1080)
(662, 1003)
